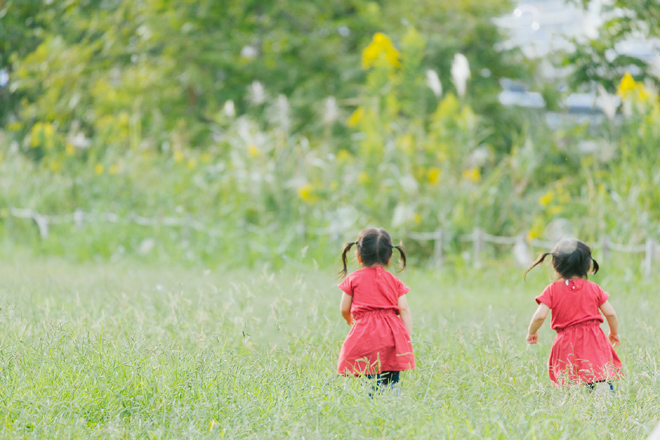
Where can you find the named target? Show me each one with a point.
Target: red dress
(580, 352)
(378, 340)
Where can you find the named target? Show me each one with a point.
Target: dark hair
(570, 257)
(374, 246)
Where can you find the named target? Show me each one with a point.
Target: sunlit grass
(110, 351)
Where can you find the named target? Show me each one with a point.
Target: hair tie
(393, 247)
(355, 242)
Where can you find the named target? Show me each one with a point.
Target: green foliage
(599, 61)
(150, 109)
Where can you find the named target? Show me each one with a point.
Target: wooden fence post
(606, 248)
(649, 257)
(477, 246)
(438, 255)
(78, 218)
(42, 224)
(521, 251)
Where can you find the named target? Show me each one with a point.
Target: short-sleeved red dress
(580, 352)
(378, 340)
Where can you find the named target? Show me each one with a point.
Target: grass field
(125, 351)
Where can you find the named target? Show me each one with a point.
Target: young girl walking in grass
(374, 304)
(581, 353)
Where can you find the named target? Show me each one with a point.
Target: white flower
(256, 93)
(433, 81)
(280, 113)
(249, 52)
(607, 103)
(460, 72)
(229, 109)
(330, 110)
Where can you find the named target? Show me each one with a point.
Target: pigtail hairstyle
(538, 261)
(347, 247)
(570, 258)
(374, 246)
(403, 255)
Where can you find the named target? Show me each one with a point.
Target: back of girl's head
(570, 258)
(374, 247)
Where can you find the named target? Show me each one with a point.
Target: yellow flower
(537, 229)
(306, 194)
(178, 156)
(343, 156)
(206, 157)
(364, 178)
(114, 169)
(192, 163)
(434, 175)
(35, 134)
(472, 174)
(14, 126)
(417, 218)
(356, 117)
(546, 198)
(406, 143)
(642, 93)
(253, 151)
(626, 86)
(98, 169)
(49, 132)
(69, 149)
(380, 44)
(555, 210)
(55, 166)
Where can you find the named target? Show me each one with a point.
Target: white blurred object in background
(433, 81)
(229, 109)
(256, 93)
(460, 73)
(330, 110)
(249, 52)
(607, 103)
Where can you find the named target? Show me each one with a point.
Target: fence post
(649, 257)
(606, 248)
(477, 246)
(438, 256)
(521, 251)
(78, 218)
(42, 224)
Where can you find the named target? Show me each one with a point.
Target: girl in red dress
(374, 304)
(581, 353)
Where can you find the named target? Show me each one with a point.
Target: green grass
(124, 351)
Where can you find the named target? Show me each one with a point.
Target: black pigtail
(538, 261)
(595, 266)
(403, 256)
(347, 247)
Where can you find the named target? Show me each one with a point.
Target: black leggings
(385, 378)
(592, 385)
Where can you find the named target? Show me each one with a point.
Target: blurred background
(237, 132)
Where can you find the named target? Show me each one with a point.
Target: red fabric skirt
(377, 342)
(582, 353)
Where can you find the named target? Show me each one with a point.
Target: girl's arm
(345, 308)
(610, 315)
(404, 313)
(537, 321)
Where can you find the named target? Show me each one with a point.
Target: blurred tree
(154, 74)
(601, 60)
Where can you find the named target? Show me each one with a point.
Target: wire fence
(522, 247)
